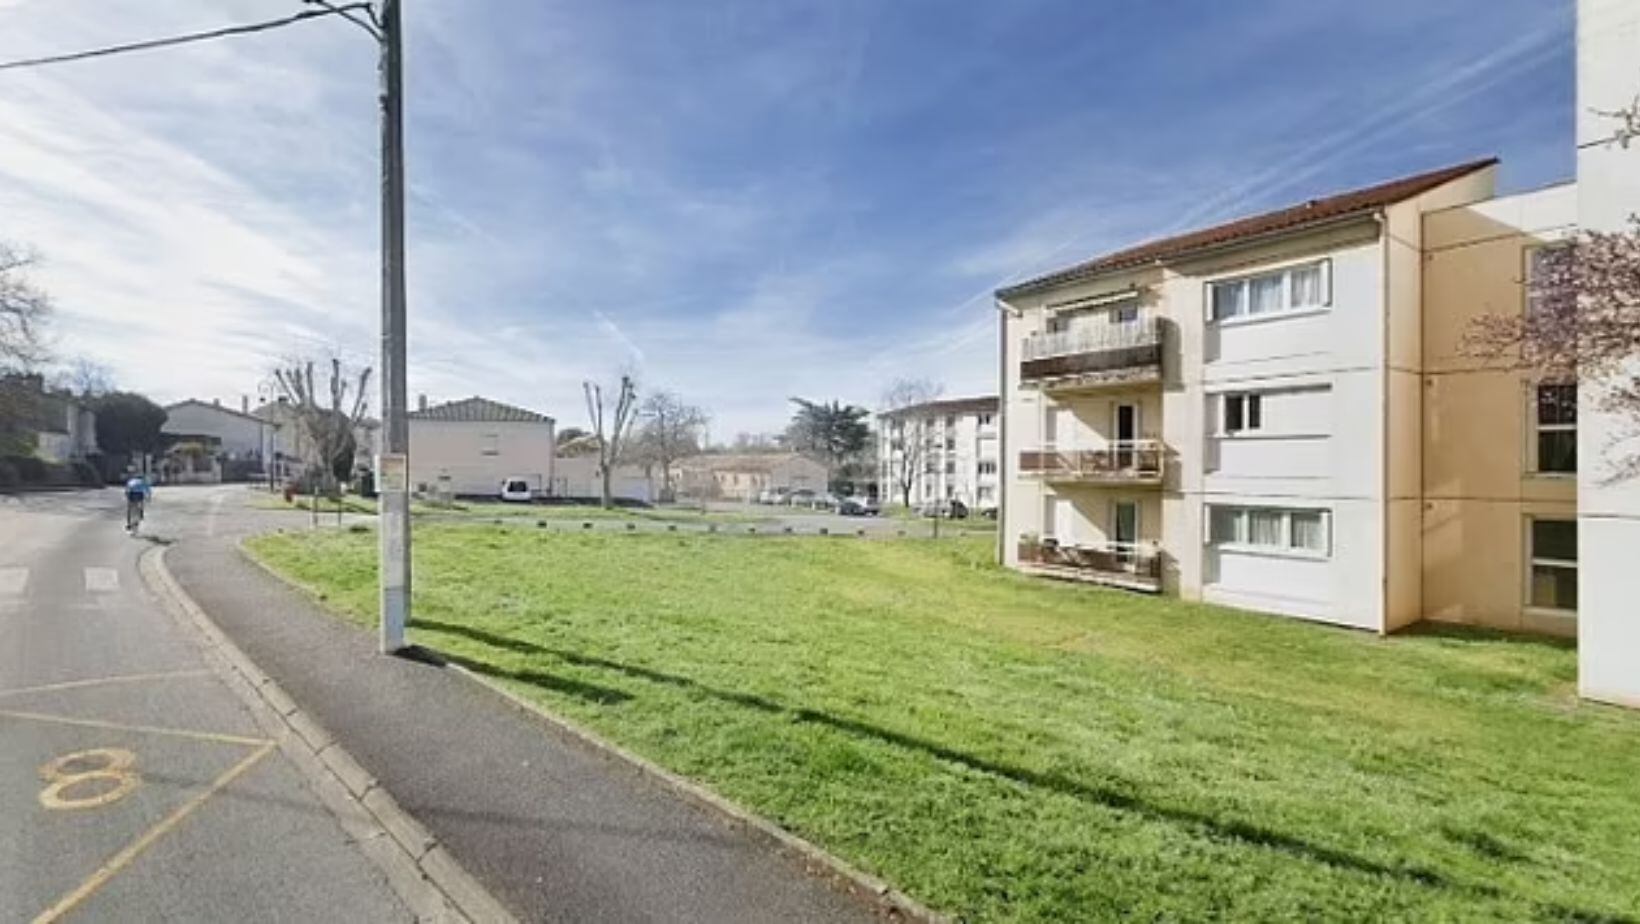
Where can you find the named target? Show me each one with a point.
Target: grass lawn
(480, 509)
(350, 503)
(1010, 749)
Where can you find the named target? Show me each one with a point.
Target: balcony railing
(1119, 351)
(1124, 462)
(1135, 566)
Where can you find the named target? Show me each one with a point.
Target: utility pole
(392, 467)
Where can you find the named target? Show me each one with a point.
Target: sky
(737, 200)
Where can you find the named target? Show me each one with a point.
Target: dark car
(858, 507)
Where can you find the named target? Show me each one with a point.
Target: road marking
(12, 581)
(99, 681)
(123, 859)
(143, 729)
(102, 580)
(115, 765)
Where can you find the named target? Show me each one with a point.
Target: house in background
(743, 476)
(62, 429)
(469, 447)
(242, 443)
(950, 447)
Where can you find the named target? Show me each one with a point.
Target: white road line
(102, 580)
(12, 581)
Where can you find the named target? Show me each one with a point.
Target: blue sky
(740, 200)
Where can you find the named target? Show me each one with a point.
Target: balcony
(1135, 462)
(1105, 355)
(1135, 567)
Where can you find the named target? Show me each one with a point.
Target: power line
(185, 39)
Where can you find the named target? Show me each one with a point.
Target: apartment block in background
(943, 451)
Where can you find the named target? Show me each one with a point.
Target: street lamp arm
(346, 12)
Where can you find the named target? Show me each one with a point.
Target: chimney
(216, 402)
(421, 402)
(244, 404)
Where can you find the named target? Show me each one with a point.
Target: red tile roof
(1292, 218)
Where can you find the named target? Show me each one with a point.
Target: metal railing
(1142, 560)
(1127, 460)
(1098, 338)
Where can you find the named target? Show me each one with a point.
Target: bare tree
(24, 310)
(85, 378)
(668, 430)
(909, 434)
(1582, 322)
(327, 419)
(610, 426)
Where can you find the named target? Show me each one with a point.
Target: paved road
(133, 785)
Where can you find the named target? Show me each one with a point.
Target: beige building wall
(1479, 490)
(474, 457)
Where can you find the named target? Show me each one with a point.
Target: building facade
(469, 447)
(743, 476)
(940, 451)
(1277, 414)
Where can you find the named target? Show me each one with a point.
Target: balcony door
(1125, 431)
(1124, 529)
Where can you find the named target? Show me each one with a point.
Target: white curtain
(1309, 530)
(1264, 527)
(1266, 293)
(1307, 288)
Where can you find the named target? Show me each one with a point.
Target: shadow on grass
(1451, 632)
(1211, 826)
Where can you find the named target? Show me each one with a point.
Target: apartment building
(941, 451)
(1277, 414)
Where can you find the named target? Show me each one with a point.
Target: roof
(213, 406)
(976, 405)
(740, 461)
(479, 410)
(1292, 218)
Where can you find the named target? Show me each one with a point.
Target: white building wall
(1608, 188)
(242, 436)
(476, 456)
(957, 444)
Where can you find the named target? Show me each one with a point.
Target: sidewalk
(555, 831)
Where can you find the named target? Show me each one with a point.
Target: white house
(943, 450)
(238, 434)
(469, 447)
(578, 477)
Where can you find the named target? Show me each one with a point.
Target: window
(950, 421)
(950, 442)
(987, 468)
(1553, 582)
(1125, 313)
(1303, 531)
(951, 467)
(985, 420)
(1294, 288)
(1243, 411)
(1556, 419)
(490, 444)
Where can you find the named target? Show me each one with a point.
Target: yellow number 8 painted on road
(64, 773)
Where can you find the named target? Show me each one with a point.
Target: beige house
(1276, 413)
(743, 476)
(469, 447)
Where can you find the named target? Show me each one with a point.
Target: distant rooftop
(976, 405)
(479, 410)
(1315, 211)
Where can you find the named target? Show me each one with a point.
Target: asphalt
(556, 831)
(189, 815)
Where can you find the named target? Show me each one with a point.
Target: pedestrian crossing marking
(12, 581)
(102, 580)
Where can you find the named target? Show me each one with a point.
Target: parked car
(516, 489)
(859, 507)
(773, 495)
(952, 509)
(802, 497)
(827, 501)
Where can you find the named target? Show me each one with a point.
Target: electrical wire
(184, 39)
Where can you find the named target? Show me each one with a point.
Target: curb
(889, 901)
(418, 869)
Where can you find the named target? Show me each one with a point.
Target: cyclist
(137, 493)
